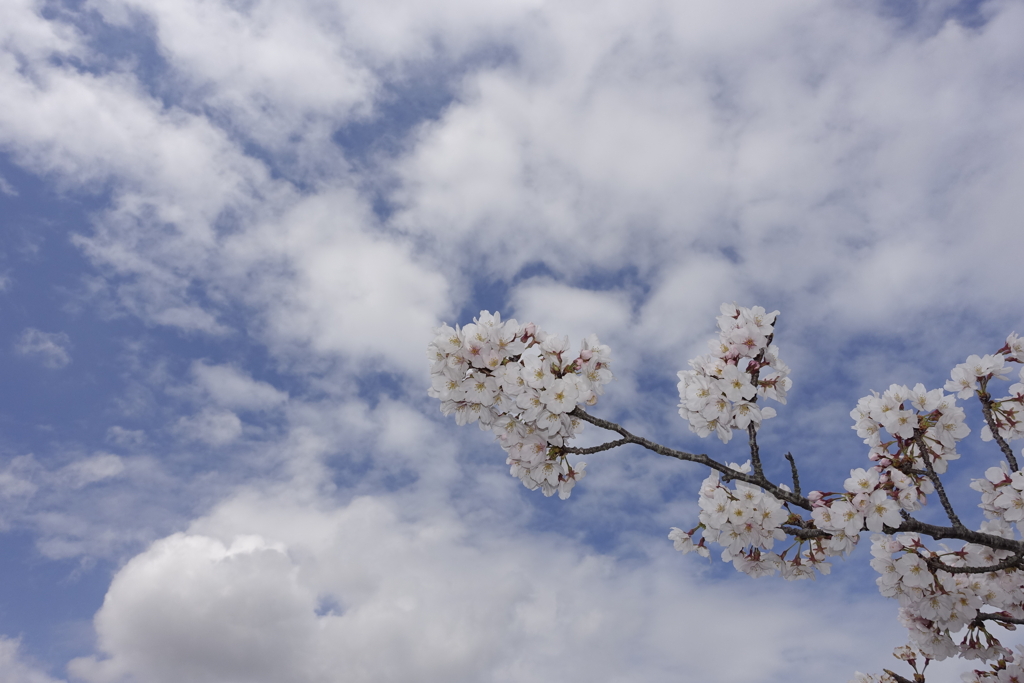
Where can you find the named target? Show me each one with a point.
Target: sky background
(228, 228)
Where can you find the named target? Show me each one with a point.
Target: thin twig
(918, 678)
(796, 475)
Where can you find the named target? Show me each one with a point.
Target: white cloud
(569, 310)
(270, 590)
(69, 518)
(210, 426)
(279, 76)
(16, 478)
(331, 286)
(125, 437)
(231, 388)
(90, 470)
(48, 348)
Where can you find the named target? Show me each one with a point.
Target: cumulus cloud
(51, 349)
(265, 589)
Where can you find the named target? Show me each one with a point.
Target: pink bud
(814, 496)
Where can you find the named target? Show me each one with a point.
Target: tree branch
(909, 524)
(1012, 561)
(698, 458)
(912, 525)
(996, 616)
(990, 420)
(923, 448)
(594, 449)
(755, 453)
(803, 533)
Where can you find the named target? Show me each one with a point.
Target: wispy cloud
(16, 667)
(51, 349)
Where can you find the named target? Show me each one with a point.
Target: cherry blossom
(529, 390)
(521, 384)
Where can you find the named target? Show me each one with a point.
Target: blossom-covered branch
(528, 388)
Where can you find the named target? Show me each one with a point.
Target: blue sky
(229, 227)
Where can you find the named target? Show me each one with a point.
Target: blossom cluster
(872, 498)
(1007, 670)
(972, 377)
(1002, 497)
(720, 394)
(936, 604)
(903, 652)
(906, 443)
(746, 521)
(521, 384)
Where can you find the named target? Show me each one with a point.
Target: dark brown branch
(995, 616)
(923, 448)
(755, 453)
(1012, 561)
(804, 534)
(990, 420)
(698, 458)
(912, 525)
(594, 449)
(909, 524)
(796, 475)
